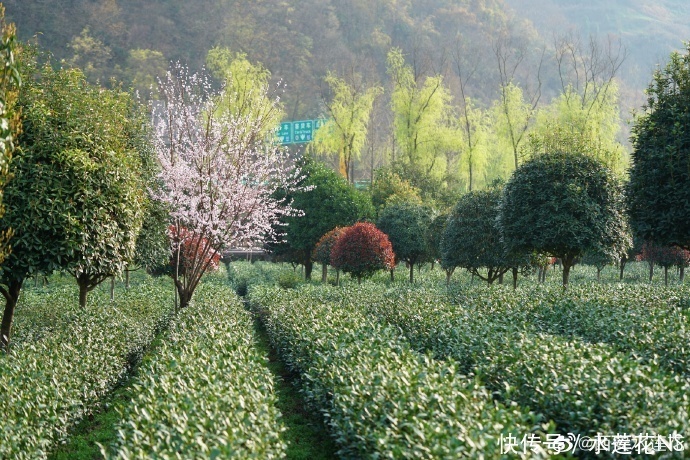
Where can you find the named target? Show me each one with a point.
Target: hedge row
(206, 392)
(651, 322)
(380, 398)
(583, 387)
(59, 371)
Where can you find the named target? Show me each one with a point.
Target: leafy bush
(407, 226)
(362, 250)
(206, 392)
(381, 399)
(583, 387)
(288, 280)
(55, 375)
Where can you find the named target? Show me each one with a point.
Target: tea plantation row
(201, 392)
(596, 359)
(396, 371)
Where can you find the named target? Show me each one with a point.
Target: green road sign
(284, 133)
(302, 131)
(298, 132)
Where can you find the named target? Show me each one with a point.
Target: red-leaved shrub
(361, 250)
(322, 250)
(195, 252)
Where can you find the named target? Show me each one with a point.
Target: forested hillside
(496, 74)
(297, 41)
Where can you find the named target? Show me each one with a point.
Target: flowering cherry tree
(218, 176)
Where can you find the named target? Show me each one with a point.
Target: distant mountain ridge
(649, 29)
(300, 41)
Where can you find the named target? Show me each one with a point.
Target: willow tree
(513, 116)
(596, 123)
(588, 105)
(247, 93)
(474, 138)
(345, 132)
(422, 117)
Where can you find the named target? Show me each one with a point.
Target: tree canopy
(326, 201)
(472, 238)
(659, 190)
(362, 250)
(408, 227)
(563, 205)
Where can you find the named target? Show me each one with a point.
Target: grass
(306, 435)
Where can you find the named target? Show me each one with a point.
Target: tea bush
(58, 371)
(205, 393)
(380, 398)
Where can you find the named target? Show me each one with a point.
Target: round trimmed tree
(323, 249)
(362, 250)
(326, 201)
(408, 227)
(659, 189)
(563, 205)
(472, 239)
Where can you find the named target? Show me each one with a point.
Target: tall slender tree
(345, 132)
(219, 175)
(10, 128)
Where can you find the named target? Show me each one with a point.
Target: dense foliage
(407, 226)
(76, 199)
(362, 250)
(381, 399)
(206, 383)
(68, 360)
(327, 201)
(563, 205)
(472, 238)
(528, 348)
(10, 123)
(660, 176)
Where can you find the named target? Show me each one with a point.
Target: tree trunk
(308, 266)
(83, 294)
(651, 272)
(324, 273)
(665, 276)
(566, 263)
(624, 261)
(449, 273)
(87, 283)
(11, 297)
(392, 274)
(183, 294)
(515, 276)
(500, 278)
(337, 277)
(411, 273)
(598, 275)
(127, 279)
(112, 288)
(681, 275)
